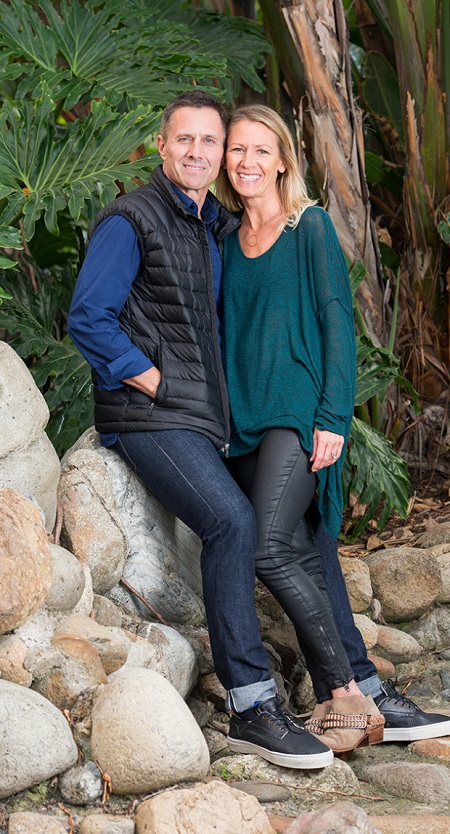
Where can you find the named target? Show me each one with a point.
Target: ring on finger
(333, 455)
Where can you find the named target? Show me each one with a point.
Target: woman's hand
(327, 449)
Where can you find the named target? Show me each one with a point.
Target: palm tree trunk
(332, 132)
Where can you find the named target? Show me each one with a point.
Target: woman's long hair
(291, 185)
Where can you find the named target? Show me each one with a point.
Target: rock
(357, 579)
(406, 580)
(198, 638)
(35, 742)
(215, 740)
(429, 783)
(107, 613)
(144, 735)
(68, 581)
(283, 641)
(106, 824)
(432, 748)
(29, 822)
(303, 694)
(201, 708)
(163, 557)
(81, 785)
(12, 658)
(264, 791)
(385, 668)
(339, 818)
(368, 629)
(211, 807)
(338, 776)
(111, 642)
(396, 645)
(442, 554)
(213, 690)
(41, 627)
(28, 461)
(25, 560)
(66, 669)
(167, 652)
(412, 824)
(435, 535)
(433, 629)
(92, 528)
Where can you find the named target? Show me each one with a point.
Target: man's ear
(161, 145)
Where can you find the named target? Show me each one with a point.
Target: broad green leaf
(379, 172)
(444, 230)
(375, 473)
(377, 368)
(10, 237)
(3, 294)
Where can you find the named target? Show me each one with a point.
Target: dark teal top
(289, 343)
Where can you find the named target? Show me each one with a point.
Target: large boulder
(26, 565)
(35, 742)
(28, 461)
(105, 506)
(144, 735)
(406, 581)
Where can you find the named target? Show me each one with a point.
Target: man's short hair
(193, 98)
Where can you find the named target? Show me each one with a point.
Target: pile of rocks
(108, 685)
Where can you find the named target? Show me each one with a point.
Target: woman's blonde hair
(291, 185)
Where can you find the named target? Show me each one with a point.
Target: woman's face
(253, 160)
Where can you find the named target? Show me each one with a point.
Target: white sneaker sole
(310, 761)
(442, 728)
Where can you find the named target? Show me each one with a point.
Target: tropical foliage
(82, 87)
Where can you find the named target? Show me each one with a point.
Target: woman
(289, 354)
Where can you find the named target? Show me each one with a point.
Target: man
(144, 314)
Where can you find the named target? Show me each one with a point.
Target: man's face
(192, 150)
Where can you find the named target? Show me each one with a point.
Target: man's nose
(196, 147)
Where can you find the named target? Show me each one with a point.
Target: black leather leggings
(277, 479)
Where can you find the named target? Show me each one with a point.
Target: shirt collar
(209, 212)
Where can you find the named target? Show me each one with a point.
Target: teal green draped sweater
(289, 344)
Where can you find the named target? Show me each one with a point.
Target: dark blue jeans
(352, 641)
(184, 471)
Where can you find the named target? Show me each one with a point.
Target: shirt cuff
(132, 363)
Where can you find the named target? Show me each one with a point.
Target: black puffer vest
(170, 315)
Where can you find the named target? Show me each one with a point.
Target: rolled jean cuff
(371, 686)
(244, 697)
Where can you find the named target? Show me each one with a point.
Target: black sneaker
(404, 721)
(272, 734)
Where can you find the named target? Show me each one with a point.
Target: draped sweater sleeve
(289, 343)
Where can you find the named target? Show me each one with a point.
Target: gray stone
(166, 651)
(428, 783)
(368, 630)
(106, 612)
(81, 785)
(144, 735)
(25, 560)
(28, 461)
(68, 581)
(35, 743)
(433, 629)
(68, 668)
(215, 740)
(92, 527)
(338, 776)
(163, 554)
(396, 645)
(406, 580)
(264, 791)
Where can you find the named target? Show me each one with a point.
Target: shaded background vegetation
(364, 86)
